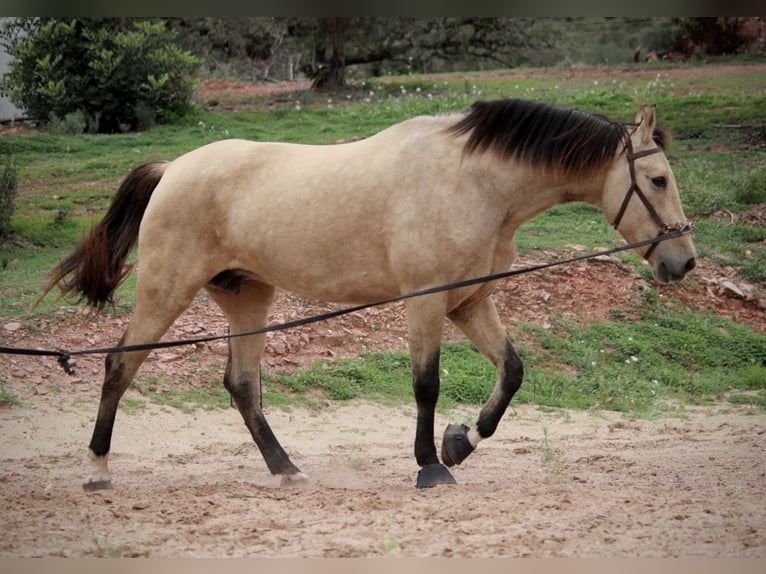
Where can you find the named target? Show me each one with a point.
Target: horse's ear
(646, 120)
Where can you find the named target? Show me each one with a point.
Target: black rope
(64, 357)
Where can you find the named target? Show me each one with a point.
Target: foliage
(8, 192)
(720, 35)
(97, 73)
(282, 47)
(239, 47)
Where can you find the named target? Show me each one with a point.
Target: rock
(279, 347)
(732, 288)
(221, 349)
(11, 327)
(167, 357)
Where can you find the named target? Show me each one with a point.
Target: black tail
(97, 267)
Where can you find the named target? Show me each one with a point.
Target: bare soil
(565, 484)
(548, 484)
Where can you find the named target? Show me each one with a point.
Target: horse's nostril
(691, 264)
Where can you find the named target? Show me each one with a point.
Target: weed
(131, 405)
(549, 456)
(8, 193)
(756, 400)
(392, 547)
(8, 398)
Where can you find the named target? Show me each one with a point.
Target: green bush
(7, 197)
(115, 75)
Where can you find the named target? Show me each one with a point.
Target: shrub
(116, 75)
(7, 197)
(72, 124)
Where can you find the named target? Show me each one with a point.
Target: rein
(683, 226)
(63, 357)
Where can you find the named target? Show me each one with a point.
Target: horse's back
(349, 222)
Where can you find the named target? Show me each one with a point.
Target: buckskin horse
(426, 202)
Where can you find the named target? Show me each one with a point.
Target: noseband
(682, 226)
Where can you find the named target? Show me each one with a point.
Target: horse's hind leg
(247, 308)
(146, 326)
(481, 324)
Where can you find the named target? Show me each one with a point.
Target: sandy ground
(556, 484)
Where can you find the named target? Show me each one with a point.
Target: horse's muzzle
(668, 271)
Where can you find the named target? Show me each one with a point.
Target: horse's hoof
(92, 485)
(293, 480)
(455, 444)
(434, 475)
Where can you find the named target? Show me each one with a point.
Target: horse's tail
(97, 267)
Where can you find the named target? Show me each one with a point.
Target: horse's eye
(660, 182)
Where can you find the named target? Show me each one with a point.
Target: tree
(720, 35)
(249, 47)
(334, 75)
(422, 44)
(118, 73)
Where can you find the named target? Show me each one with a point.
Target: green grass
(66, 182)
(756, 400)
(8, 398)
(208, 394)
(639, 367)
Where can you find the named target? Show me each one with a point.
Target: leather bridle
(682, 226)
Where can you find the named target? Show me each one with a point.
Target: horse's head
(640, 198)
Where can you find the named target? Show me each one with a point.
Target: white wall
(7, 110)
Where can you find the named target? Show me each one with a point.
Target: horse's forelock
(662, 138)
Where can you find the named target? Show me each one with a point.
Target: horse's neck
(530, 191)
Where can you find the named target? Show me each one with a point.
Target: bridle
(681, 226)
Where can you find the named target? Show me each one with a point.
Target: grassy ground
(66, 181)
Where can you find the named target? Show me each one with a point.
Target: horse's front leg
(481, 324)
(425, 317)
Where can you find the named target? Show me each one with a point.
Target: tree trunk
(334, 76)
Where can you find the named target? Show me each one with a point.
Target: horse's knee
(513, 370)
(114, 373)
(242, 388)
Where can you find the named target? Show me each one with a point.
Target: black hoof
(434, 475)
(96, 485)
(455, 444)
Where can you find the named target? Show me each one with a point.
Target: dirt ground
(548, 484)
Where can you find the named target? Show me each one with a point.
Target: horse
(425, 202)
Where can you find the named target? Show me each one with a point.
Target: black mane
(543, 134)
